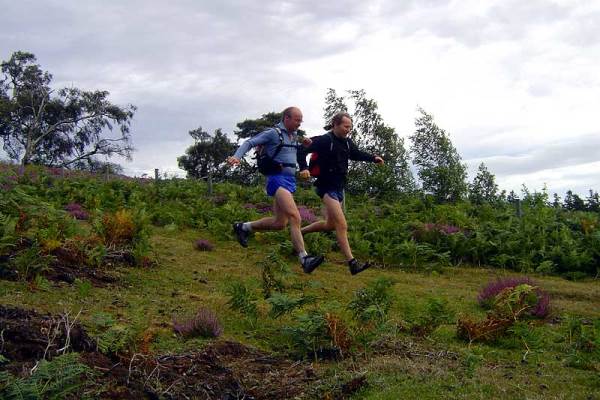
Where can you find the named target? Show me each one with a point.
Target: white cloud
(514, 83)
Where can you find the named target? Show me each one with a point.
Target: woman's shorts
(274, 182)
(336, 194)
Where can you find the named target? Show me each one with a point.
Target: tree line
(76, 129)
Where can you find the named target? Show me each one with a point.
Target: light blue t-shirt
(270, 139)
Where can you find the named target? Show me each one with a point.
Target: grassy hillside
(387, 333)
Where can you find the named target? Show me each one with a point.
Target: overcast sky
(515, 83)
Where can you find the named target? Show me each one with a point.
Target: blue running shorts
(274, 182)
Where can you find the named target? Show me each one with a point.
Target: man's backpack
(317, 161)
(267, 164)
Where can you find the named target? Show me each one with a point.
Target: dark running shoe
(310, 263)
(241, 234)
(356, 268)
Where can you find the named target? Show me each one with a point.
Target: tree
(438, 163)
(207, 155)
(371, 134)
(573, 202)
(333, 105)
(556, 201)
(63, 128)
(252, 127)
(484, 188)
(593, 201)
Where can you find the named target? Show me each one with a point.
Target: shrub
(372, 302)
(204, 245)
(118, 228)
(204, 324)
(582, 343)
(488, 294)
(511, 305)
(309, 337)
(434, 313)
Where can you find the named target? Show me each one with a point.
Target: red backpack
(313, 165)
(316, 161)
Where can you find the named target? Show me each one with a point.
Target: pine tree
(484, 188)
(438, 163)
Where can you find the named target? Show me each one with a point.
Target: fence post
(210, 185)
(519, 209)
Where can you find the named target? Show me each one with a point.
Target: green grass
(438, 366)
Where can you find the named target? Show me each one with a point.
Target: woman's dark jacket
(333, 155)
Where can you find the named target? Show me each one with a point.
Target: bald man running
(281, 183)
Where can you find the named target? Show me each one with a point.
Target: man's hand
(306, 141)
(304, 174)
(378, 160)
(232, 161)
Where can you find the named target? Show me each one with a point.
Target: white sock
(302, 254)
(247, 227)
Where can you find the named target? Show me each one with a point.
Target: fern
(309, 334)
(51, 380)
(270, 281)
(242, 300)
(7, 228)
(372, 302)
(114, 340)
(282, 304)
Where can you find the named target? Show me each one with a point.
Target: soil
(223, 370)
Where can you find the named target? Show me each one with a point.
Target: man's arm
(262, 138)
(316, 145)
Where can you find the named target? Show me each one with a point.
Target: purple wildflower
(259, 207)
(307, 215)
(205, 324)
(443, 229)
(263, 208)
(487, 294)
(219, 199)
(204, 245)
(77, 211)
(448, 229)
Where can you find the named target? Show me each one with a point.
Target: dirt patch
(69, 266)
(27, 335)
(71, 261)
(223, 370)
(66, 273)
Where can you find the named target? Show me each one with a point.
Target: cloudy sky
(515, 83)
